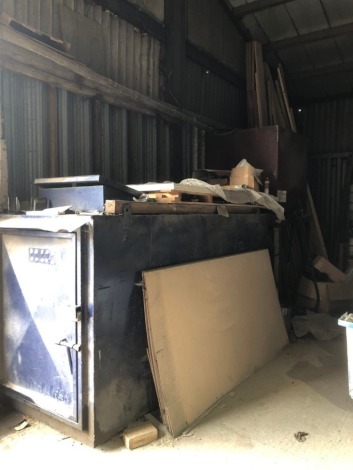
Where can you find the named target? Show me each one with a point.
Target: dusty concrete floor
(304, 389)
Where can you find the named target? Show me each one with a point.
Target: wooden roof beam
(255, 7)
(30, 57)
(309, 37)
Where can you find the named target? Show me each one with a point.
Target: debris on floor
(24, 424)
(139, 436)
(321, 325)
(301, 436)
(347, 317)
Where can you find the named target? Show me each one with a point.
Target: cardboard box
(334, 296)
(244, 175)
(324, 266)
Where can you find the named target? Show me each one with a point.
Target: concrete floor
(304, 389)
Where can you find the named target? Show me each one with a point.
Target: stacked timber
(267, 98)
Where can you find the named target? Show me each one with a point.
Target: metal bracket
(127, 216)
(64, 342)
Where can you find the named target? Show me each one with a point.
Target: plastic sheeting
(240, 196)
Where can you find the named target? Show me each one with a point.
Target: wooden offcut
(316, 239)
(275, 110)
(260, 85)
(267, 98)
(256, 86)
(139, 436)
(253, 118)
(210, 324)
(285, 98)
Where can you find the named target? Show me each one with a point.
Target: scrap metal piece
(301, 436)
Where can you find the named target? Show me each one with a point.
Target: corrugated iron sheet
(113, 47)
(328, 126)
(104, 42)
(75, 134)
(213, 97)
(327, 175)
(126, 146)
(24, 110)
(134, 148)
(211, 29)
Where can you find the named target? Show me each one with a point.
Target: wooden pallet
(118, 207)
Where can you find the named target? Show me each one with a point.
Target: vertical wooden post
(97, 164)
(53, 132)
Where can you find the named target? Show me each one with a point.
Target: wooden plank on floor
(139, 436)
(207, 336)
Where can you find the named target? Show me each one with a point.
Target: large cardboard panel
(210, 325)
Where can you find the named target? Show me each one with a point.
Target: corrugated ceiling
(312, 39)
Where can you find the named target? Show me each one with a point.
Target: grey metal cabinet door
(40, 320)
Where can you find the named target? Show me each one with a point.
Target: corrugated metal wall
(126, 146)
(328, 126)
(211, 96)
(104, 42)
(211, 28)
(115, 48)
(327, 177)
(25, 130)
(134, 148)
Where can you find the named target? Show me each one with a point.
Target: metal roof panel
(339, 11)
(276, 23)
(307, 15)
(323, 53)
(344, 45)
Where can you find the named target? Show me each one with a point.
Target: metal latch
(67, 344)
(78, 313)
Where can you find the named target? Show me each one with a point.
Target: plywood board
(210, 324)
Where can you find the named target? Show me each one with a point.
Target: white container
(347, 321)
